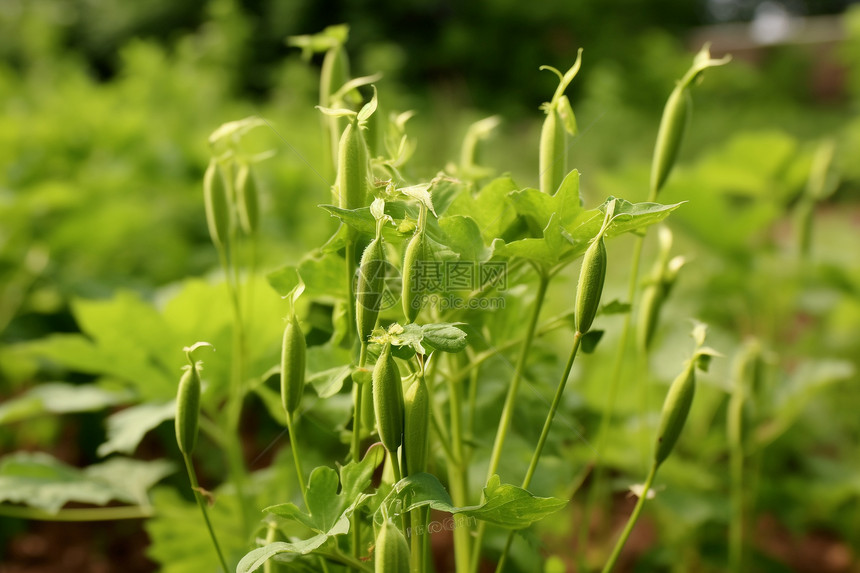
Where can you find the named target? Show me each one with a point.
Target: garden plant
(418, 363)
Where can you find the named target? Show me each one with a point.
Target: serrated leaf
(547, 250)
(447, 337)
(490, 207)
(126, 428)
(328, 510)
(538, 208)
(255, 559)
(506, 505)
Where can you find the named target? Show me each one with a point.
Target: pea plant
(443, 249)
(392, 329)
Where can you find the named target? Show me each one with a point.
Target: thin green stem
(417, 539)
(631, 522)
(345, 559)
(458, 473)
(349, 255)
(192, 477)
(596, 490)
(553, 408)
(78, 514)
(736, 528)
(297, 458)
(357, 395)
(508, 408)
(271, 534)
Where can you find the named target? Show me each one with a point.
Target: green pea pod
(669, 135)
(248, 201)
(369, 286)
(676, 407)
(352, 168)
(552, 162)
(392, 550)
(388, 400)
(188, 410)
(416, 427)
(592, 275)
(293, 357)
(216, 200)
(415, 261)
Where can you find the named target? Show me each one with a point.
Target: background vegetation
(107, 107)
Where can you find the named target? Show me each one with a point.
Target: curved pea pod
(352, 168)
(653, 299)
(188, 410)
(293, 357)
(392, 550)
(369, 286)
(592, 275)
(216, 200)
(552, 155)
(388, 400)
(652, 302)
(676, 407)
(669, 135)
(248, 200)
(415, 259)
(416, 427)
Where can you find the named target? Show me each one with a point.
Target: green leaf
(463, 236)
(490, 208)
(615, 306)
(538, 208)
(506, 505)
(634, 216)
(323, 276)
(180, 540)
(255, 559)
(60, 398)
(547, 250)
(329, 511)
(40, 480)
(590, 340)
(284, 280)
(329, 382)
(447, 337)
(126, 428)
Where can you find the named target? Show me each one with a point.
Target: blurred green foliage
(107, 106)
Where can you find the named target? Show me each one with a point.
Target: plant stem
(192, 477)
(458, 474)
(356, 447)
(508, 408)
(736, 528)
(553, 408)
(417, 538)
(296, 458)
(78, 514)
(631, 522)
(596, 489)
